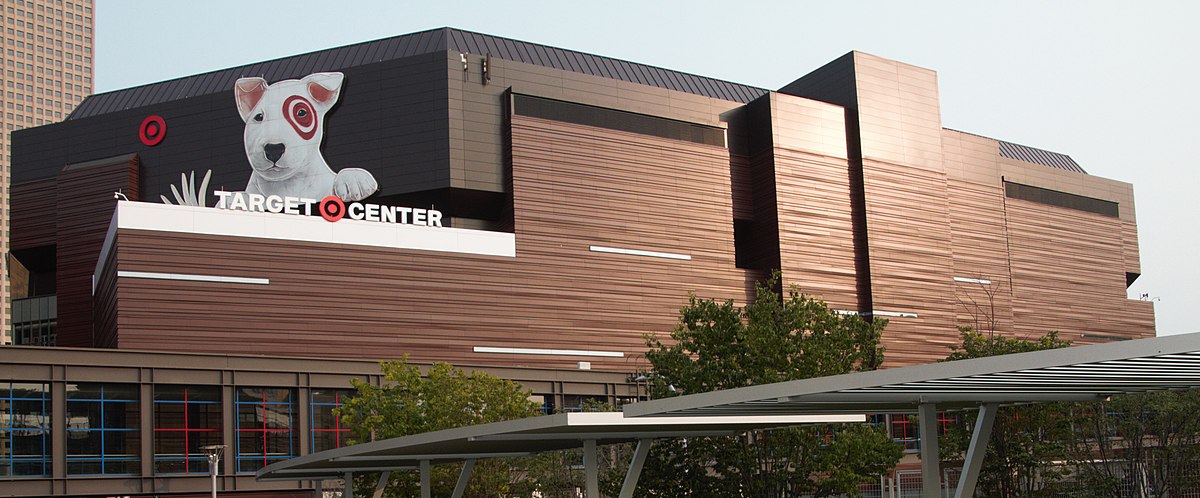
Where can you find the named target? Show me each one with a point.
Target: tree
(1027, 440)
(717, 345)
(409, 403)
(1146, 441)
(560, 474)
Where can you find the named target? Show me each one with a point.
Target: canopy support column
(635, 468)
(383, 481)
(426, 492)
(591, 469)
(976, 451)
(348, 488)
(931, 476)
(463, 478)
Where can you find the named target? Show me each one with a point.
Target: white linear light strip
(560, 352)
(193, 278)
(636, 252)
(896, 314)
(966, 280)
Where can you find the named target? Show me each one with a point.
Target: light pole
(214, 460)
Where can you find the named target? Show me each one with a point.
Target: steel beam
(635, 468)
(463, 478)
(931, 477)
(426, 492)
(976, 451)
(591, 469)
(383, 482)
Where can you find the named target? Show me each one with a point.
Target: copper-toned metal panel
(979, 246)
(816, 229)
(573, 187)
(1066, 274)
(908, 235)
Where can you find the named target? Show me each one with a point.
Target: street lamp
(214, 459)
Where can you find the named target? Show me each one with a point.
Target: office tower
(47, 72)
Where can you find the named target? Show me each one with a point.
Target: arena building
(238, 244)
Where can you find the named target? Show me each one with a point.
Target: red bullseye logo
(332, 208)
(152, 131)
(300, 114)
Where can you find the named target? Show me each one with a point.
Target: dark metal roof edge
(1070, 165)
(588, 54)
(240, 67)
(428, 41)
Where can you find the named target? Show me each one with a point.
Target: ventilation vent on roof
(1039, 156)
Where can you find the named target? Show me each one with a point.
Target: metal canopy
(1070, 374)
(522, 437)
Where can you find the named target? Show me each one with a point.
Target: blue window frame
(103, 436)
(265, 427)
(24, 429)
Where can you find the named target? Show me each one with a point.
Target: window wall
(24, 429)
(266, 430)
(186, 419)
(102, 425)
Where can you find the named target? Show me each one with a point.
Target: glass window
(24, 430)
(904, 432)
(327, 429)
(102, 429)
(265, 427)
(186, 419)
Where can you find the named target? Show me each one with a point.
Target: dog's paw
(354, 184)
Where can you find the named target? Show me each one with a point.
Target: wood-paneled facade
(624, 187)
(844, 180)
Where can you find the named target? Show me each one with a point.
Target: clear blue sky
(1113, 84)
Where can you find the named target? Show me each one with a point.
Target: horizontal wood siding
(908, 235)
(85, 206)
(573, 187)
(1065, 274)
(34, 209)
(979, 246)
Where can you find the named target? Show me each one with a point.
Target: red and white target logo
(332, 208)
(153, 129)
(300, 113)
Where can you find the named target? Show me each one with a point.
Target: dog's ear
(324, 88)
(248, 92)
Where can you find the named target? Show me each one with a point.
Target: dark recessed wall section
(570, 112)
(455, 202)
(390, 120)
(1061, 199)
(756, 211)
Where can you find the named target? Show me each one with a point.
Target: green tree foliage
(1026, 440)
(1146, 441)
(717, 345)
(446, 397)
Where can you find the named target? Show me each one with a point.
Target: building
(47, 64)
(519, 208)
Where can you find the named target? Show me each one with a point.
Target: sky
(1112, 84)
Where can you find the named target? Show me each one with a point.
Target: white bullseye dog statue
(285, 122)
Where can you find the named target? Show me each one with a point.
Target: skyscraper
(47, 71)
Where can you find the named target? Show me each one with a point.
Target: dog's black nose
(274, 151)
